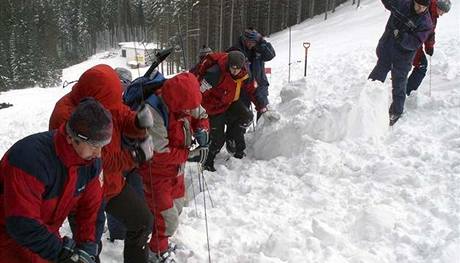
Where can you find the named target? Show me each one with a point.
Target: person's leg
(133, 212)
(401, 67)
(237, 118)
(116, 228)
(160, 199)
(417, 75)
(217, 139)
(383, 65)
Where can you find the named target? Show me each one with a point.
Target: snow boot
(394, 117)
(239, 155)
(165, 257)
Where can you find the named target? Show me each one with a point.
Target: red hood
(181, 92)
(100, 82)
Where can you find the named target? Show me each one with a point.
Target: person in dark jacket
(420, 63)
(258, 51)
(45, 176)
(203, 52)
(407, 28)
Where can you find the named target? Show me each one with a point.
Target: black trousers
(235, 118)
(130, 209)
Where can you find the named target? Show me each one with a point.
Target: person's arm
(22, 199)
(266, 50)
(87, 212)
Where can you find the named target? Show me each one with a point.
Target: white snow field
(330, 182)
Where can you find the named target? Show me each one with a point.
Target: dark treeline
(40, 37)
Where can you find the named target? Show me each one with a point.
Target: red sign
(268, 70)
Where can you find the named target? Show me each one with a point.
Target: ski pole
(206, 223)
(429, 89)
(193, 191)
(205, 184)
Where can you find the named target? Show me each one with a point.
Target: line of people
(120, 147)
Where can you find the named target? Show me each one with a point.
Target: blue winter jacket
(257, 57)
(410, 29)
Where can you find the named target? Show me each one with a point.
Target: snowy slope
(329, 182)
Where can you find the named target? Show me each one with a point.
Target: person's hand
(144, 118)
(143, 151)
(202, 137)
(198, 155)
(429, 51)
(70, 254)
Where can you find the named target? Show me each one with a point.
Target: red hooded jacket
(179, 93)
(102, 83)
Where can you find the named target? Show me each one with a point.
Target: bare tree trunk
(312, 8)
(325, 9)
(333, 5)
(299, 11)
(220, 23)
(231, 24)
(207, 22)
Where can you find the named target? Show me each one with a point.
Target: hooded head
(102, 83)
(182, 92)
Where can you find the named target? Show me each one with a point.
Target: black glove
(198, 155)
(143, 151)
(202, 137)
(429, 51)
(144, 118)
(71, 254)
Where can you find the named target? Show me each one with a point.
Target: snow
(329, 182)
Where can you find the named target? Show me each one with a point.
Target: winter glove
(202, 137)
(198, 155)
(143, 151)
(270, 115)
(71, 254)
(144, 118)
(429, 51)
(252, 35)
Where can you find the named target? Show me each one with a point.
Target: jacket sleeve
(266, 50)
(390, 4)
(413, 40)
(251, 87)
(175, 155)
(118, 161)
(22, 199)
(88, 215)
(127, 122)
(115, 158)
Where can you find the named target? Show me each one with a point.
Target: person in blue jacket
(258, 51)
(407, 29)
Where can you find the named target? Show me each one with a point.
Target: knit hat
(236, 59)
(90, 122)
(444, 5)
(204, 50)
(125, 77)
(423, 2)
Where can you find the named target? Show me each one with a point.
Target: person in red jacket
(46, 175)
(102, 83)
(178, 116)
(224, 78)
(437, 8)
